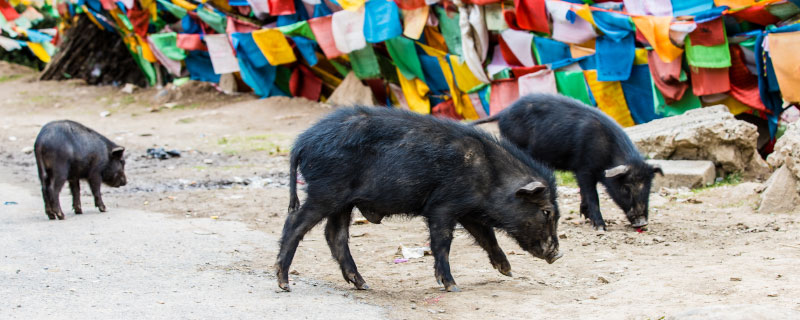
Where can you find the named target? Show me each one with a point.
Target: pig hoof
(102, 208)
(51, 216)
(363, 286)
(453, 288)
(78, 211)
(600, 229)
(285, 287)
(506, 273)
(60, 216)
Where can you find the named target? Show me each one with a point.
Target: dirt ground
(703, 247)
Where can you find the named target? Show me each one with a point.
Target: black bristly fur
(68, 151)
(386, 161)
(569, 135)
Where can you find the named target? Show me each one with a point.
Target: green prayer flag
(365, 63)
(216, 21)
(573, 84)
(176, 11)
(688, 102)
(450, 30)
(718, 56)
(167, 43)
(404, 53)
(340, 68)
(300, 28)
(125, 21)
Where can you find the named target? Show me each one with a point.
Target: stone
(781, 192)
(129, 88)
(351, 92)
(227, 83)
(736, 312)
(710, 133)
(684, 173)
(787, 150)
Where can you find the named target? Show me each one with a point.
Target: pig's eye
(546, 212)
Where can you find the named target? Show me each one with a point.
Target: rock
(105, 114)
(710, 133)
(208, 161)
(227, 83)
(27, 150)
(787, 150)
(129, 88)
(736, 312)
(781, 192)
(684, 173)
(351, 92)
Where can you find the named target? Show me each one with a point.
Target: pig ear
(616, 171)
(117, 152)
(657, 169)
(531, 189)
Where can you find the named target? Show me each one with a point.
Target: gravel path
(127, 264)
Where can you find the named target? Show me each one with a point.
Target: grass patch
(10, 77)
(127, 100)
(566, 179)
(729, 180)
(267, 142)
(186, 106)
(187, 120)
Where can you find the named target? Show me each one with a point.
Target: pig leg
(485, 237)
(75, 188)
(441, 231)
(297, 224)
(95, 181)
(47, 195)
(337, 235)
(56, 183)
(590, 200)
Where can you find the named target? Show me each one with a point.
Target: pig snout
(550, 252)
(639, 222)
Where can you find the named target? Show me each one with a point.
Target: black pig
(387, 161)
(68, 151)
(569, 135)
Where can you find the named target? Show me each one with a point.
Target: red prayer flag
(8, 11)
(521, 71)
(303, 83)
(189, 41)
(504, 93)
(757, 15)
(410, 4)
(666, 76)
(321, 27)
(709, 33)
(532, 15)
(281, 7)
(446, 109)
(707, 81)
(744, 85)
(508, 55)
(140, 19)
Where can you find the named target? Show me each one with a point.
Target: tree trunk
(97, 56)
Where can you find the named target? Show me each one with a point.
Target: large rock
(781, 192)
(787, 150)
(710, 133)
(736, 312)
(684, 173)
(351, 92)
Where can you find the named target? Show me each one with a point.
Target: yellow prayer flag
(610, 98)
(416, 94)
(274, 46)
(39, 51)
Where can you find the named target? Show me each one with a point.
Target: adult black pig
(569, 135)
(68, 151)
(386, 161)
